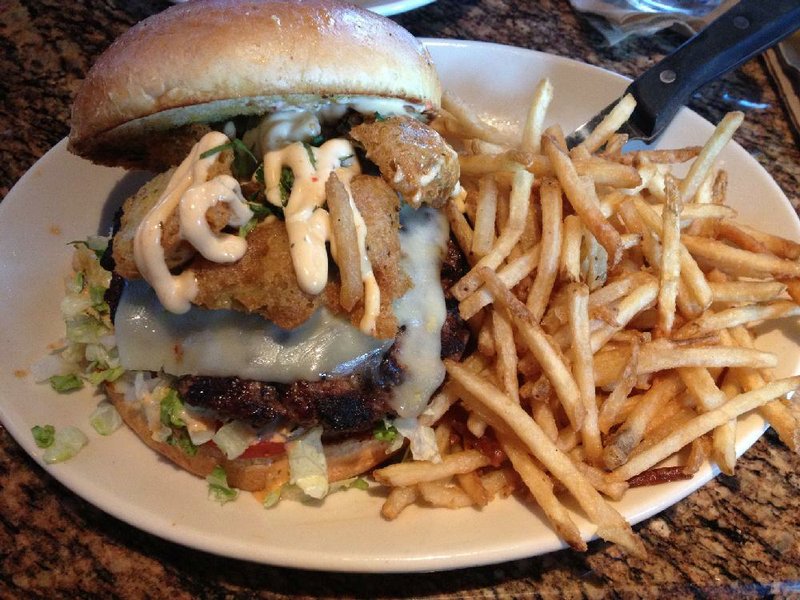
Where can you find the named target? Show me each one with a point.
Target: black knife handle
(744, 31)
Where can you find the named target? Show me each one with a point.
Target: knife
(744, 31)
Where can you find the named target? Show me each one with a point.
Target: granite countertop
(735, 536)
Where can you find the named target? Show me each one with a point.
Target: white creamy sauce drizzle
(308, 223)
(278, 138)
(421, 311)
(189, 186)
(196, 201)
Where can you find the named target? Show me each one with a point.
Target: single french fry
(702, 164)
(677, 155)
(483, 233)
(746, 291)
(539, 293)
(471, 124)
(725, 230)
(570, 259)
(583, 368)
(610, 124)
(698, 452)
(399, 499)
(723, 441)
(776, 244)
(444, 495)
(740, 262)
(345, 239)
(670, 259)
(739, 315)
(702, 386)
(534, 124)
(473, 486)
(459, 226)
(607, 173)
(506, 354)
(662, 356)
(704, 423)
(410, 473)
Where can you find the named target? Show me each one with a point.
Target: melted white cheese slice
(226, 343)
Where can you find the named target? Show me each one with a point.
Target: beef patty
(346, 404)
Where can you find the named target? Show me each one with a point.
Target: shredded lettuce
(421, 438)
(43, 435)
(218, 488)
(67, 443)
(385, 432)
(183, 442)
(171, 409)
(65, 383)
(234, 438)
(272, 498)
(308, 468)
(105, 419)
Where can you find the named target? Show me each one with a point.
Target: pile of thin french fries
(612, 303)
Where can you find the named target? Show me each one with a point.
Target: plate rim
(425, 563)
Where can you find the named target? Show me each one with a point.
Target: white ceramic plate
(64, 198)
(391, 7)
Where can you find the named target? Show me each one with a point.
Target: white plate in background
(391, 7)
(63, 198)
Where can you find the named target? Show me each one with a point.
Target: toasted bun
(210, 60)
(347, 458)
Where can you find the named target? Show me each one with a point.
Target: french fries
(612, 304)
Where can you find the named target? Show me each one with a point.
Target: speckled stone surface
(737, 536)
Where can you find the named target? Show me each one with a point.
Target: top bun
(210, 60)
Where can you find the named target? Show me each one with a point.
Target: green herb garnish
(258, 175)
(285, 184)
(311, 158)
(244, 162)
(245, 229)
(217, 149)
(43, 435)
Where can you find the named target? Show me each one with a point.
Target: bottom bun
(346, 458)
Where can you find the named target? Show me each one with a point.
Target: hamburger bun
(345, 458)
(211, 60)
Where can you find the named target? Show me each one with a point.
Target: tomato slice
(262, 449)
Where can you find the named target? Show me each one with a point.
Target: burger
(273, 299)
